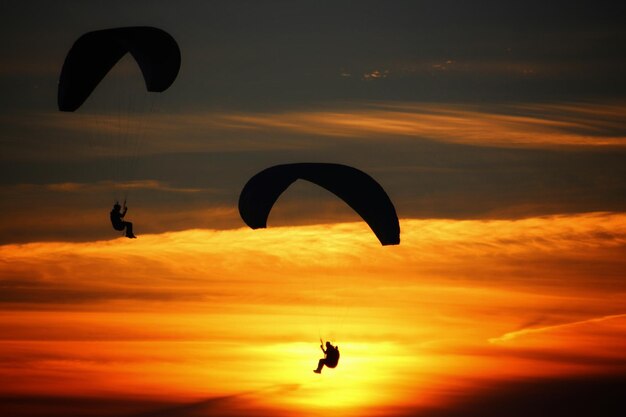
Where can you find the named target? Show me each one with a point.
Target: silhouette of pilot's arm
(123, 213)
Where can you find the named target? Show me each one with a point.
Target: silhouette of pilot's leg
(320, 365)
(129, 230)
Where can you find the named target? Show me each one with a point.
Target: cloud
(534, 330)
(128, 185)
(65, 406)
(509, 126)
(198, 313)
(29, 291)
(503, 125)
(557, 397)
(233, 405)
(434, 160)
(109, 134)
(552, 246)
(103, 186)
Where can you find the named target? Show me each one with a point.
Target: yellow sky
(201, 313)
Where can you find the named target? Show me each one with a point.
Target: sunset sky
(498, 130)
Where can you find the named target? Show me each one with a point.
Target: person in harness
(118, 224)
(331, 357)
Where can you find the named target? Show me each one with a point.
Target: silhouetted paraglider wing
(356, 188)
(94, 54)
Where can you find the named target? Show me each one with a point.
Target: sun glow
(201, 314)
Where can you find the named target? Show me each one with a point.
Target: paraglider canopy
(356, 188)
(94, 54)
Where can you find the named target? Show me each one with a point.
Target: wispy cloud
(525, 125)
(535, 330)
(507, 65)
(504, 126)
(108, 185)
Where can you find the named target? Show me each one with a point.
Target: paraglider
(117, 221)
(356, 188)
(360, 191)
(94, 54)
(90, 59)
(331, 357)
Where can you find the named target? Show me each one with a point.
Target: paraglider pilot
(118, 223)
(331, 357)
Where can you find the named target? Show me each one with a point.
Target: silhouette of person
(118, 223)
(331, 357)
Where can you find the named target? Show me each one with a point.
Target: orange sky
(188, 316)
(497, 129)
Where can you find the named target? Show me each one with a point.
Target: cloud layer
(184, 316)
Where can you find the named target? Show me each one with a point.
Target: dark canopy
(94, 54)
(356, 188)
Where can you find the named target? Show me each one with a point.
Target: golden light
(203, 313)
